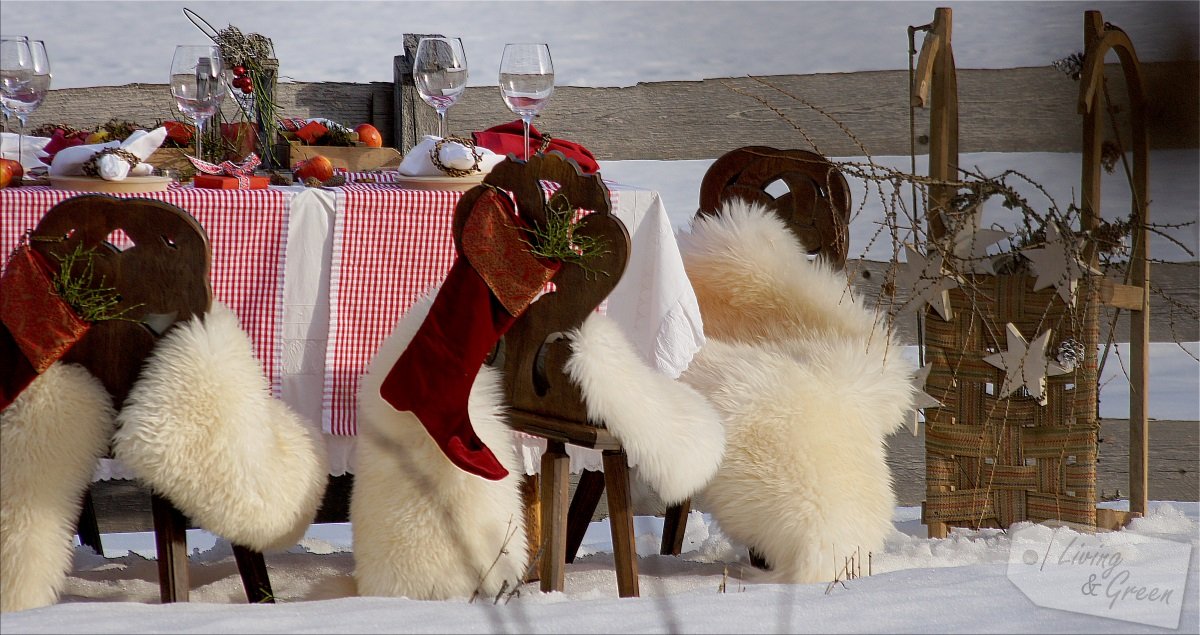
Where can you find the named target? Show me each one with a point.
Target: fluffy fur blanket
(50, 440)
(672, 435)
(425, 529)
(422, 527)
(200, 427)
(809, 386)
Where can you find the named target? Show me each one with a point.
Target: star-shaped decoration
(928, 282)
(921, 399)
(1057, 264)
(968, 243)
(1025, 364)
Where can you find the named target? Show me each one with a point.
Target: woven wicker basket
(993, 461)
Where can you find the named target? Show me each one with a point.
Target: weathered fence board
(1009, 110)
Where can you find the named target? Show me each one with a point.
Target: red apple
(14, 171)
(317, 167)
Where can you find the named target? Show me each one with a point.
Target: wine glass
(197, 85)
(440, 73)
(16, 73)
(526, 81)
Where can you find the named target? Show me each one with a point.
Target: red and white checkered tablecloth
(390, 246)
(247, 231)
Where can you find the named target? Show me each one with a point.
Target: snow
(956, 584)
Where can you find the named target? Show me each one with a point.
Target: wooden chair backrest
(165, 272)
(816, 207)
(531, 355)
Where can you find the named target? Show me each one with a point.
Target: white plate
(451, 183)
(97, 184)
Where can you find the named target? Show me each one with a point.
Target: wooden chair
(544, 402)
(163, 274)
(815, 207)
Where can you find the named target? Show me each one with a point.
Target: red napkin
(62, 140)
(509, 138)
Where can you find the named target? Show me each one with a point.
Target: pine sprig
(558, 240)
(90, 301)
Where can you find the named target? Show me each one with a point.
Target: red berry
(239, 70)
(241, 82)
(248, 88)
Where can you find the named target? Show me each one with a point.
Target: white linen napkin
(452, 154)
(69, 161)
(31, 152)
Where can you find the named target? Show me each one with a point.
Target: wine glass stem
(21, 138)
(525, 125)
(441, 123)
(200, 138)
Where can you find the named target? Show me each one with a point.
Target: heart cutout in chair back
(495, 242)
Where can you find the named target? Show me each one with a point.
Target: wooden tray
(96, 184)
(451, 183)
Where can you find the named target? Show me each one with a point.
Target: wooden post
(413, 118)
(935, 75)
(1098, 41)
(937, 86)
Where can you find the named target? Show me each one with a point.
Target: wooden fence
(1009, 110)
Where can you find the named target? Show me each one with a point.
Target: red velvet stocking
(433, 376)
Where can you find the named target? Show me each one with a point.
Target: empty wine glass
(440, 73)
(526, 81)
(197, 85)
(16, 74)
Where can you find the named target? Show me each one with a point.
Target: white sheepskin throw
(201, 428)
(809, 387)
(422, 527)
(670, 432)
(50, 440)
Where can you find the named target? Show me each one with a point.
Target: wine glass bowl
(24, 80)
(440, 74)
(526, 81)
(16, 71)
(198, 85)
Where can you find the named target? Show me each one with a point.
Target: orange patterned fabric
(495, 245)
(44, 326)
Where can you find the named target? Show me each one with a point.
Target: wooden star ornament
(921, 399)
(1025, 364)
(927, 281)
(968, 242)
(1057, 264)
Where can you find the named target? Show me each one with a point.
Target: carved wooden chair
(161, 278)
(815, 207)
(543, 400)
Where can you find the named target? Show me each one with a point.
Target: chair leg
(253, 568)
(555, 474)
(533, 522)
(583, 507)
(620, 521)
(674, 526)
(170, 537)
(88, 527)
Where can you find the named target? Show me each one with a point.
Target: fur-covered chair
(809, 386)
(189, 413)
(423, 527)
